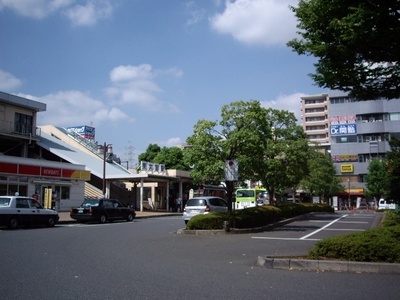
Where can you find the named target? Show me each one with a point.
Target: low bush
(207, 222)
(374, 245)
(255, 216)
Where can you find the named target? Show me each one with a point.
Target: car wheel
(13, 223)
(129, 218)
(51, 222)
(103, 219)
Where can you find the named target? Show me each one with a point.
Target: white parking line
(277, 238)
(353, 222)
(322, 228)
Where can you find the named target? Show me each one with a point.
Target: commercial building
(353, 132)
(25, 167)
(60, 167)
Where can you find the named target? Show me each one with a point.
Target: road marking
(353, 222)
(277, 238)
(333, 229)
(322, 228)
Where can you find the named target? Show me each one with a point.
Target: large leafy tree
(240, 135)
(172, 158)
(356, 42)
(150, 154)
(322, 179)
(268, 145)
(282, 161)
(393, 168)
(376, 178)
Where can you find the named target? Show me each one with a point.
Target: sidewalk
(65, 218)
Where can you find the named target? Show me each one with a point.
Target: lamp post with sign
(348, 191)
(106, 151)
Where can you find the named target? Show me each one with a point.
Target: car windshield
(5, 201)
(90, 203)
(196, 202)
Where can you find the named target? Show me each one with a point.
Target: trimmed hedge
(374, 245)
(255, 216)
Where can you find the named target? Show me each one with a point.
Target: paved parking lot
(319, 226)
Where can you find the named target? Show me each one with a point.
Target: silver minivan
(203, 205)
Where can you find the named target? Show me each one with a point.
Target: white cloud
(136, 85)
(37, 9)
(128, 73)
(90, 13)
(257, 22)
(69, 108)
(286, 102)
(196, 14)
(174, 141)
(8, 81)
(83, 13)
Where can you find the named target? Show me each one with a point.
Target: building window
(23, 124)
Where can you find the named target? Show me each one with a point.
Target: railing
(88, 144)
(19, 129)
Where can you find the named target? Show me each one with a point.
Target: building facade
(25, 167)
(355, 133)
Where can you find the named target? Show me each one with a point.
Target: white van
(386, 204)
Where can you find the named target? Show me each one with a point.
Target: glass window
(65, 192)
(21, 203)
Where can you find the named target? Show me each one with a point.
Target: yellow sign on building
(347, 168)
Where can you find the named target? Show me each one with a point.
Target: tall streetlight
(348, 183)
(106, 150)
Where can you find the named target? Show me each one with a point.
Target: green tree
(281, 162)
(172, 158)
(240, 135)
(393, 168)
(268, 145)
(150, 154)
(356, 42)
(322, 179)
(376, 178)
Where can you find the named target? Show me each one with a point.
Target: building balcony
(19, 130)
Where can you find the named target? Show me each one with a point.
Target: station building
(60, 167)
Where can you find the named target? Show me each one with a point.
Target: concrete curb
(327, 265)
(238, 230)
(138, 216)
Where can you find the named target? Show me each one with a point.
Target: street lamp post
(348, 191)
(105, 150)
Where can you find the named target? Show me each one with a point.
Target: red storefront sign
(17, 169)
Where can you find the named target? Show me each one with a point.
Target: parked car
(203, 205)
(386, 204)
(20, 210)
(102, 210)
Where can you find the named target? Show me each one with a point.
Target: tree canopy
(376, 178)
(356, 42)
(322, 179)
(171, 157)
(393, 168)
(267, 144)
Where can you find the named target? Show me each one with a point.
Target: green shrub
(207, 222)
(374, 245)
(255, 216)
(392, 218)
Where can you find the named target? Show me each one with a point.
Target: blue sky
(145, 71)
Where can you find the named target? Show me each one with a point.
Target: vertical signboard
(231, 170)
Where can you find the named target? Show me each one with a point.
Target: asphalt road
(147, 259)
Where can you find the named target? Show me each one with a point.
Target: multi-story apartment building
(314, 113)
(355, 132)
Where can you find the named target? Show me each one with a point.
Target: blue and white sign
(344, 129)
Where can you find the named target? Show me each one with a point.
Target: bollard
(226, 226)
